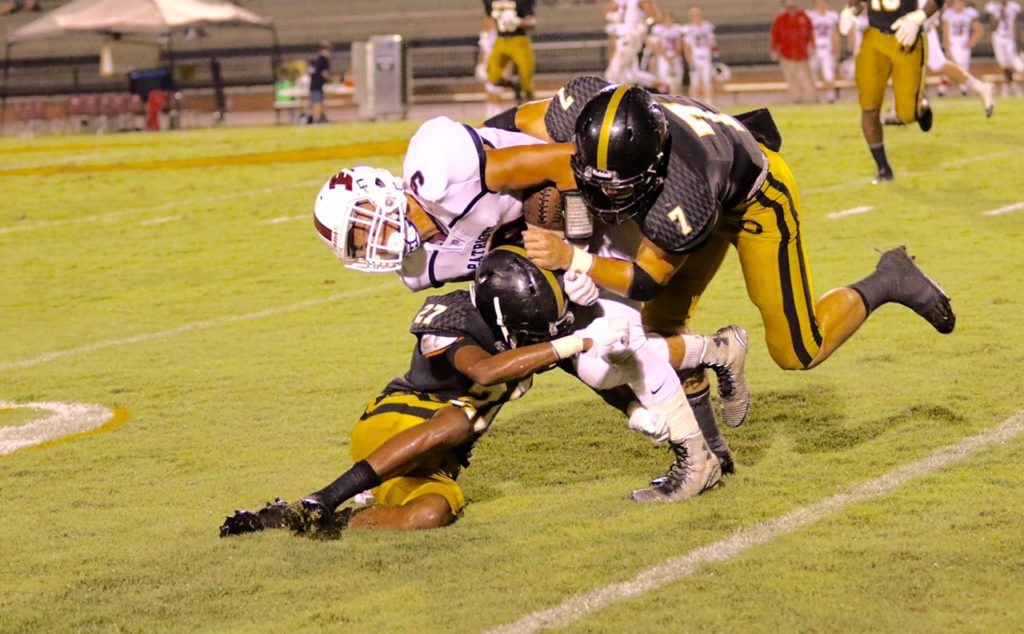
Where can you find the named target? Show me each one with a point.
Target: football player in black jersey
(475, 351)
(893, 46)
(696, 181)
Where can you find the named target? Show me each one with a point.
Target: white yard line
(196, 325)
(160, 221)
(850, 212)
(1004, 210)
(174, 204)
(688, 564)
(280, 219)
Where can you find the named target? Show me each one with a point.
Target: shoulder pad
(442, 153)
(452, 313)
(684, 214)
(567, 103)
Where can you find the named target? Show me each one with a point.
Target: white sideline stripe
(280, 219)
(850, 212)
(1004, 210)
(176, 204)
(196, 325)
(159, 221)
(686, 565)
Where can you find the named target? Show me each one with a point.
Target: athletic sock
(975, 83)
(356, 480)
(700, 403)
(694, 350)
(873, 290)
(878, 152)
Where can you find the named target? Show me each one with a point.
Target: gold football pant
(767, 234)
(880, 57)
(516, 49)
(386, 417)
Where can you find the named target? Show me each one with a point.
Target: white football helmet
(361, 214)
(721, 72)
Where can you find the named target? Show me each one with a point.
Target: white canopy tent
(152, 18)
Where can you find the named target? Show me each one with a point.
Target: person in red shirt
(792, 46)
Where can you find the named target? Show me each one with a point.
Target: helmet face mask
(622, 150)
(361, 213)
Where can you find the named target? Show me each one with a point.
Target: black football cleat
(925, 118)
(884, 175)
(908, 285)
(240, 523)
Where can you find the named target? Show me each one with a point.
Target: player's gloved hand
(609, 334)
(847, 21)
(509, 22)
(580, 288)
(651, 424)
(907, 27)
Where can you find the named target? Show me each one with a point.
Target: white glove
(508, 22)
(580, 288)
(907, 27)
(648, 423)
(847, 21)
(609, 334)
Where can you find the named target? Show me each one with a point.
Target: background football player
(512, 20)
(962, 32)
(699, 45)
(893, 46)
(627, 25)
(1003, 14)
(826, 45)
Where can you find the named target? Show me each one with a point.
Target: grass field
(177, 276)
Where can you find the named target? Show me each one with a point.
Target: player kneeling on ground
(477, 350)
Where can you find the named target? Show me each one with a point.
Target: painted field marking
(160, 221)
(280, 219)
(687, 564)
(190, 327)
(65, 422)
(176, 204)
(1004, 210)
(849, 212)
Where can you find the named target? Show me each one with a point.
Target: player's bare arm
(521, 167)
(514, 365)
(641, 280)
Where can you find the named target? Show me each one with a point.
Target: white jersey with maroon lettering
(1004, 33)
(700, 38)
(824, 26)
(959, 24)
(444, 171)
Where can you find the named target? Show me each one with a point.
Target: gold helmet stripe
(548, 275)
(606, 127)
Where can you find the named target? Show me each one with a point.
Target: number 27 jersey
(715, 164)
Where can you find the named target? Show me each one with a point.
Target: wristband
(566, 347)
(582, 261)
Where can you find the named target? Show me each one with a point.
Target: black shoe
(884, 175)
(925, 119)
(915, 290)
(276, 514)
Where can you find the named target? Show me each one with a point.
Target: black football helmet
(622, 150)
(521, 302)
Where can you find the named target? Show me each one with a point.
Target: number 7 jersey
(715, 164)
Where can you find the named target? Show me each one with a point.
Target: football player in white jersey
(628, 21)
(826, 45)
(699, 45)
(461, 196)
(962, 33)
(667, 54)
(939, 64)
(853, 40)
(1003, 14)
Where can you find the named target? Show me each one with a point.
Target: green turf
(118, 530)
